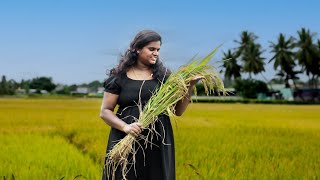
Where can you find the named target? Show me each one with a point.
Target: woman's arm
(182, 105)
(109, 102)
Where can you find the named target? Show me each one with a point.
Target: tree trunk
(314, 87)
(294, 84)
(310, 82)
(268, 82)
(287, 82)
(313, 81)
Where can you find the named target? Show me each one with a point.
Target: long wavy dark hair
(129, 58)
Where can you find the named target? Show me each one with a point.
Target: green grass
(30, 156)
(51, 139)
(249, 141)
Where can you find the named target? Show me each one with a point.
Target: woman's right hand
(134, 129)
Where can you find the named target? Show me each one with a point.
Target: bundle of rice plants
(163, 101)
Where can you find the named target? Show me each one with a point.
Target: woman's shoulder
(112, 78)
(113, 83)
(118, 77)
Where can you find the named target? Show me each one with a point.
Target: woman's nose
(156, 53)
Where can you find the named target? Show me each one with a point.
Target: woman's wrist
(123, 126)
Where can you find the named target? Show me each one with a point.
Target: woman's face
(149, 54)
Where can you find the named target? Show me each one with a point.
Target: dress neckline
(137, 79)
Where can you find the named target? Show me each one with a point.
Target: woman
(138, 74)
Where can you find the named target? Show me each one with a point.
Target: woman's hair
(130, 57)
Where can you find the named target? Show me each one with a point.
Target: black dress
(155, 162)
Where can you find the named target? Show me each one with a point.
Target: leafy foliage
(249, 88)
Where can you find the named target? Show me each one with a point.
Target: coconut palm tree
(246, 38)
(284, 58)
(253, 62)
(317, 79)
(287, 76)
(308, 55)
(250, 53)
(232, 69)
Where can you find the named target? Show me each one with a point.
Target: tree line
(290, 56)
(9, 87)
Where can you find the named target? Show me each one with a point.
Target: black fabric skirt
(154, 162)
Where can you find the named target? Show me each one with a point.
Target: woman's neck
(140, 72)
(141, 67)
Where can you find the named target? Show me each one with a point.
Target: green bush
(249, 88)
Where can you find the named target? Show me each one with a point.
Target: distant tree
(94, 85)
(232, 69)
(12, 86)
(286, 77)
(253, 61)
(249, 88)
(246, 38)
(250, 53)
(317, 79)
(73, 87)
(308, 55)
(25, 84)
(284, 58)
(42, 83)
(83, 85)
(8, 87)
(3, 86)
(64, 90)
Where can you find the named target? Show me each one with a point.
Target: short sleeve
(112, 85)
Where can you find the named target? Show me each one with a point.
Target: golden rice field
(66, 139)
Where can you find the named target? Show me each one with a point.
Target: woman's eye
(154, 49)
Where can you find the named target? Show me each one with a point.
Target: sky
(77, 41)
